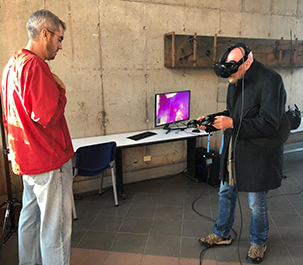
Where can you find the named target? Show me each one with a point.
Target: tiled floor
(156, 224)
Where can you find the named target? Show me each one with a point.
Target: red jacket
(33, 116)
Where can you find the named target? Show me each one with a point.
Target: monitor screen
(172, 107)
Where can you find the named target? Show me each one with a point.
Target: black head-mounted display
(226, 69)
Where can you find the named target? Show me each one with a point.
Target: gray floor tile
(277, 255)
(296, 197)
(88, 206)
(146, 198)
(10, 250)
(299, 207)
(130, 243)
(149, 187)
(136, 225)
(280, 207)
(276, 195)
(197, 229)
(77, 235)
(296, 254)
(171, 200)
(190, 214)
(199, 201)
(230, 253)
(173, 190)
(163, 246)
(292, 236)
(107, 223)
(166, 227)
(121, 210)
(169, 212)
(97, 240)
(274, 237)
(190, 248)
(84, 221)
(288, 220)
(194, 191)
(142, 210)
(157, 219)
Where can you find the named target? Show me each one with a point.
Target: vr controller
(207, 122)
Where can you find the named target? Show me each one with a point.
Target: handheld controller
(207, 122)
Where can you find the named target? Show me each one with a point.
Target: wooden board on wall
(201, 51)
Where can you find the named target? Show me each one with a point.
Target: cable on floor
(212, 220)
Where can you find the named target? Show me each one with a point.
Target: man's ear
(247, 64)
(44, 34)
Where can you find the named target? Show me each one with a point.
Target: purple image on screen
(172, 107)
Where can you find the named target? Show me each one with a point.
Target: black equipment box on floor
(208, 166)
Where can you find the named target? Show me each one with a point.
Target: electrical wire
(208, 218)
(285, 194)
(234, 155)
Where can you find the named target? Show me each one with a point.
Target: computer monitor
(171, 107)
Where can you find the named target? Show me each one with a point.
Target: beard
(232, 80)
(51, 53)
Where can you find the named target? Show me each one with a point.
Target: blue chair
(93, 160)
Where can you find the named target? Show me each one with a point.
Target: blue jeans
(259, 224)
(45, 222)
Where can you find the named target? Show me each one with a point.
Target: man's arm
(44, 95)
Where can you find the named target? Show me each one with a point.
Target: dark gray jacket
(257, 166)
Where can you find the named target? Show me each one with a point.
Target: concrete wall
(113, 56)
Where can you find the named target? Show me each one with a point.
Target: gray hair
(42, 19)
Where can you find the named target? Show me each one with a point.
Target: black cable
(208, 218)
(285, 194)
(234, 155)
(233, 165)
(201, 255)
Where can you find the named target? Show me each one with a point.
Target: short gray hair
(42, 19)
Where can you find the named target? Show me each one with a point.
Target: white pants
(45, 223)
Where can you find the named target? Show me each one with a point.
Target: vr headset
(226, 69)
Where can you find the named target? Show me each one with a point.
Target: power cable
(208, 218)
(233, 165)
(234, 155)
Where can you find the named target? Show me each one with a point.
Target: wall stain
(103, 112)
(70, 28)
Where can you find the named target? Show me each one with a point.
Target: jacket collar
(250, 73)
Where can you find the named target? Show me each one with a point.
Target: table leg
(191, 157)
(119, 174)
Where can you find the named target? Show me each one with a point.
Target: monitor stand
(173, 126)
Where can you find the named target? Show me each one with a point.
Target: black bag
(294, 116)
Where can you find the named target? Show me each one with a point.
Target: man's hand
(58, 81)
(223, 122)
(200, 126)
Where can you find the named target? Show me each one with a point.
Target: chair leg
(101, 184)
(74, 209)
(114, 186)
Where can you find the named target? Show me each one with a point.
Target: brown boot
(213, 240)
(255, 254)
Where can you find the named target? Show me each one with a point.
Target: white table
(161, 137)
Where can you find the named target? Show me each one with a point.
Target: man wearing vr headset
(251, 160)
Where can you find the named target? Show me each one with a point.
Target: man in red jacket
(39, 143)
